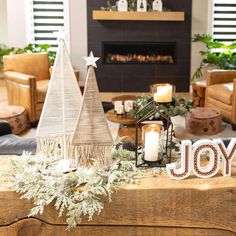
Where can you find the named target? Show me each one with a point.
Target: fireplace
(138, 52)
(135, 54)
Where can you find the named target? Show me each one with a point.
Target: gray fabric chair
(11, 144)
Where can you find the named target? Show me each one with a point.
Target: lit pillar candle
(151, 146)
(164, 93)
(129, 105)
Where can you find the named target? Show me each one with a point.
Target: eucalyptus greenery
(224, 59)
(179, 106)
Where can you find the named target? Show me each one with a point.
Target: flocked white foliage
(77, 193)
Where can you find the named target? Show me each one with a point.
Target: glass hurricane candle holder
(129, 104)
(154, 150)
(117, 104)
(162, 93)
(120, 110)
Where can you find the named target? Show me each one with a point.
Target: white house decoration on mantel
(142, 5)
(218, 154)
(122, 5)
(157, 5)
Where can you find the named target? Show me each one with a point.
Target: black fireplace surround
(135, 54)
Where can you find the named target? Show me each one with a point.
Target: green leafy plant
(224, 59)
(179, 106)
(4, 50)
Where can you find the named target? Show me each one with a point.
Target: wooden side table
(127, 125)
(16, 116)
(204, 121)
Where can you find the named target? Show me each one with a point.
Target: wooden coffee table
(156, 206)
(127, 125)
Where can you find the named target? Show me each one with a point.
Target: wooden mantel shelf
(138, 16)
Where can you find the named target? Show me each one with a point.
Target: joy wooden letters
(218, 156)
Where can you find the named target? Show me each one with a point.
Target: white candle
(116, 104)
(129, 105)
(151, 146)
(164, 93)
(120, 109)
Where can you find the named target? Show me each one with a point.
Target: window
(224, 20)
(47, 16)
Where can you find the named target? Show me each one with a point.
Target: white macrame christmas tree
(92, 137)
(61, 107)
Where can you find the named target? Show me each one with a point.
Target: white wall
(3, 22)
(200, 24)
(78, 34)
(16, 19)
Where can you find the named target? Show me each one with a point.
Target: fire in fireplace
(139, 52)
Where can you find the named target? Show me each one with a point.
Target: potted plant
(218, 54)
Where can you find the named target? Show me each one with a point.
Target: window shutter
(48, 17)
(224, 20)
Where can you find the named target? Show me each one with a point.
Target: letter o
(212, 168)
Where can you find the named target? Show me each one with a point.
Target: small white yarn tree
(61, 107)
(92, 137)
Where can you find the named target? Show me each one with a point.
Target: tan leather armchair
(27, 78)
(221, 93)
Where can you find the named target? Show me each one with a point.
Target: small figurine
(142, 5)
(157, 5)
(122, 5)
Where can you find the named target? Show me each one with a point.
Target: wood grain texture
(188, 207)
(35, 227)
(138, 16)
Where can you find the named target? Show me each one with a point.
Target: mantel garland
(76, 194)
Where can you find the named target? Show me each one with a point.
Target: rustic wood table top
(157, 206)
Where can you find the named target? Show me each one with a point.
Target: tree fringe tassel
(59, 146)
(83, 155)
